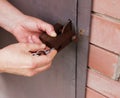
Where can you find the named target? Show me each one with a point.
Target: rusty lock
(65, 35)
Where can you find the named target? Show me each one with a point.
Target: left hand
(18, 59)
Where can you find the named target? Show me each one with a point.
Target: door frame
(83, 25)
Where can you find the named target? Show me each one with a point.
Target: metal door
(61, 80)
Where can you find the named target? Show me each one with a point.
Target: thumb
(48, 28)
(52, 54)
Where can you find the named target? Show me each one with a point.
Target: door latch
(65, 35)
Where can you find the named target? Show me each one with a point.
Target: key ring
(44, 52)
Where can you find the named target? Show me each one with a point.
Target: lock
(65, 35)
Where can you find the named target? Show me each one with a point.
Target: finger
(52, 54)
(36, 39)
(48, 28)
(45, 59)
(40, 69)
(35, 47)
(42, 60)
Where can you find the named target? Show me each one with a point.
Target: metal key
(44, 52)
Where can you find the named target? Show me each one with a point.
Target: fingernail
(53, 34)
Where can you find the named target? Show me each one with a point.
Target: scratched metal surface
(59, 80)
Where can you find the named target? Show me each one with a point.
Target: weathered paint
(103, 85)
(93, 94)
(102, 61)
(105, 33)
(108, 7)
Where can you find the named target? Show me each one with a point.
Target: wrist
(10, 23)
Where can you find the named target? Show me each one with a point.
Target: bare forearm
(9, 15)
(25, 28)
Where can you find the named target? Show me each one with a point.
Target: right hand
(25, 28)
(17, 59)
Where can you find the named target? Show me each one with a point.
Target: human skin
(17, 58)
(25, 28)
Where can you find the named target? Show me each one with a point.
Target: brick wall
(104, 56)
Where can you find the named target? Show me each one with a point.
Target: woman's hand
(17, 59)
(24, 28)
(28, 29)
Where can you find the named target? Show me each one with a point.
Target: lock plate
(65, 35)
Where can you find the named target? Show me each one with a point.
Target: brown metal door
(67, 76)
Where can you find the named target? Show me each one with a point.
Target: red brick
(105, 33)
(109, 7)
(102, 61)
(92, 94)
(103, 85)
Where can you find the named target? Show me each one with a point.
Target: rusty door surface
(61, 80)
